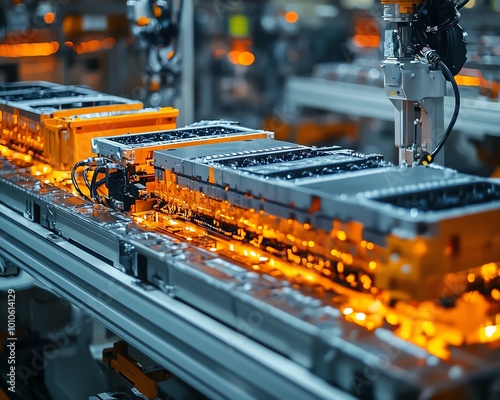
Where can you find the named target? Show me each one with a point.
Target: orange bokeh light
(233, 56)
(464, 80)
(28, 49)
(291, 17)
(49, 18)
(372, 41)
(94, 45)
(246, 58)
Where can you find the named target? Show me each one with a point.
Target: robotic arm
(424, 47)
(155, 26)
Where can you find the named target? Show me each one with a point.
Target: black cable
(85, 176)
(447, 73)
(429, 158)
(432, 19)
(74, 181)
(102, 195)
(447, 25)
(438, 15)
(422, 8)
(463, 4)
(93, 183)
(100, 183)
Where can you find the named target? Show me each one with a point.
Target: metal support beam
(186, 37)
(206, 354)
(477, 117)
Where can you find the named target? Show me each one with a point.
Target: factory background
(310, 72)
(244, 57)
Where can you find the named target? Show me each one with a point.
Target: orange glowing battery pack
(67, 136)
(22, 121)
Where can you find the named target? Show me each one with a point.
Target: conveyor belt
(214, 359)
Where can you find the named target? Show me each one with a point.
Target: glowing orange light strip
(94, 45)
(28, 49)
(464, 80)
(372, 41)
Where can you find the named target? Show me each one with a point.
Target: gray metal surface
(186, 101)
(33, 109)
(216, 360)
(19, 282)
(396, 206)
(37, 93)
(477, 117)
(15, 86)
(171, 313)
(352, 195)
(410, 85)
(138, 149)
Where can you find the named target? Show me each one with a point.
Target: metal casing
(396, 208)
(22, 122)
(138, 149)
(68, 138)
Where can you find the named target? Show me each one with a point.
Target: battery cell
(137, 149)
(68, 138)
(22, 121)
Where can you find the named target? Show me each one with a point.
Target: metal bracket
(7, 268)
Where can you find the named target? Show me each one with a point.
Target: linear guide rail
(211, 357)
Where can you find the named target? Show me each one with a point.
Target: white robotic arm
(155, 26)
(424, 47)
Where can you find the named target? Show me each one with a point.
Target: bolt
(412, 75)
(169, 290)
(52, 236)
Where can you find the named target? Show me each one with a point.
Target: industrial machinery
(135, 155)
(424, 47)
(155, 25)
(258, 268)
(346, 265)
(41, 119)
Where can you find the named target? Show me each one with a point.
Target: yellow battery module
(22, 122)
(68, 136)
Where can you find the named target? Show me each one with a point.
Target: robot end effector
(424, 47)
(155, 26)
